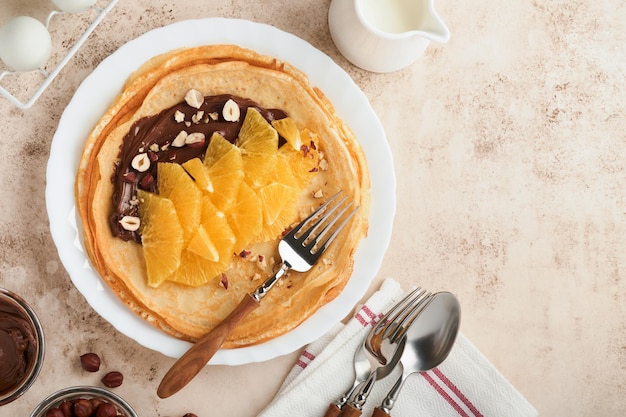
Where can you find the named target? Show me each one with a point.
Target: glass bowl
(84, 392)
(18, 322)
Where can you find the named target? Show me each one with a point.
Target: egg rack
(49, 76)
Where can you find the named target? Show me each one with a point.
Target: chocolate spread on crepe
(189, 312)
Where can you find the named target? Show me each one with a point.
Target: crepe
(189, 312)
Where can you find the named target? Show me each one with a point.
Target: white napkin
(465, 384)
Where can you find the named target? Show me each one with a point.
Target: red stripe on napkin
(305, 359)
(365, 316)
(444, 394)
(457, 392)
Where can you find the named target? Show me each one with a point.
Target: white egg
(73, 6)
(25, 43)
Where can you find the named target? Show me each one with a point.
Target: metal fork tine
(321, 241)
(400, 318)
(409, 317)
(396, 310)
(312, 215)
(337, 230)
(321, 220)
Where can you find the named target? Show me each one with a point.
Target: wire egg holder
(50, 76)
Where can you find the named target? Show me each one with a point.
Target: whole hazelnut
(54, 412)
(68, 408)
(90, 362)
(95, 403)
(113, 379)
(106, 410)
(190, 415)
(82, 408)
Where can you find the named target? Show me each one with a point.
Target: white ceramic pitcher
(384, 35)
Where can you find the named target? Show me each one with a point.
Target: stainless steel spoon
(428, 343)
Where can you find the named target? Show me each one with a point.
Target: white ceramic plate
(95, 95)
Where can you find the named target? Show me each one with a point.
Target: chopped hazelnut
(141, 162)
(231, 111)
(179, 116)
(318, 194)
(130, 223)
(224, 281)
(180, 139)
(194, 138)
(196, 118)
(194, 98)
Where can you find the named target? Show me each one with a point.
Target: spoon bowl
(429, 340)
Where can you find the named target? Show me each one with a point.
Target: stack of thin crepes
(188, 312)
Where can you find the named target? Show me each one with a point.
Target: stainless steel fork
(299, 249)
(386, 343)
(378, 355)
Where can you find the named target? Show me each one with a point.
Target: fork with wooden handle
(299, 249)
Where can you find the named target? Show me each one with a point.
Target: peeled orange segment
(221, 234)
(198, 172)
(161, 237)
(279, 202)
(258, 142)
(245, 217)
(202, 245)
(174, 183)
(218, 147)
(224, 167)
(195, 270)
(204, 259)
(303, 165)
(288, 129)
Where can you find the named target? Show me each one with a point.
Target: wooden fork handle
(349, 410)
(333, 411)
(192, 361)
(378, 412)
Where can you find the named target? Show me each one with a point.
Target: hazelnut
(95, 403)
(190, 415)
(179, 116)
(194, 98)
(82, 408)
(179, 141)
(68, 408)
(130, 223)
(106, 410)
(224, 281)
(318, 194)
(147, 181)
(231, 111)
(195, 139)
(141, 162)
(196, 118)
(90, 361)
(54, 412)
(113, 379)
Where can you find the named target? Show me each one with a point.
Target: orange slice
(202, 245)
(288, 129)
(303, 165)
(174, 183)
(224, 167)
(258, 142)
(245, 217)
(198, 172)
(279, 202)
(161, 236)
(210, 250)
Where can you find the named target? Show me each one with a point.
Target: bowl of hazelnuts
(83, 401)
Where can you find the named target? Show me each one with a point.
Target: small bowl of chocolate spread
(84, 401)
(21, 346)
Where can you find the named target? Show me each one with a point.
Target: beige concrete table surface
(508, 145)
